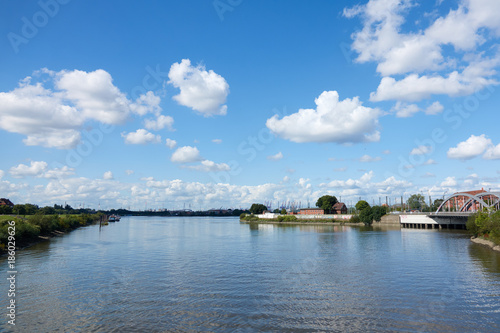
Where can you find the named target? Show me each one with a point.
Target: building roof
(339, 205)
(7, 202)
(311, 209)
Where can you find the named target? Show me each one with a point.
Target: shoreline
(482, 241)
(302, 222)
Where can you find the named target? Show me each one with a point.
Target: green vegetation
(326, 203)
(257, 208)
(416, 202)
(485, 225)
(361, 205)
(28, 229)
(369, 214)
(287, 218)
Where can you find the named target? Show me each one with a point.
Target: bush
(242, 216)
(287, 218)
(488, 226)
(355, 219)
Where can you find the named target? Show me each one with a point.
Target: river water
(198, 274)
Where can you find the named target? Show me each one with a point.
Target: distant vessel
(114, 218)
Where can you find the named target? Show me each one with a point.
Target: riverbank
(303, 222)
(22, 232)
(485, 242)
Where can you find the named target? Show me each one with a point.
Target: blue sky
(203, 104)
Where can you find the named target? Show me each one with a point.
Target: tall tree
(257, 208)
(416, 201)
(361, 205)
(326, 203)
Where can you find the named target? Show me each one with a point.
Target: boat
(114, 218)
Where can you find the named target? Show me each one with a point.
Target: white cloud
(472, 147)
(141, 137)
(344, 121)
(1, 174)
(35, 169)
(186, 154)
(217, 141)
(160, 123)
(386, 152)
(430, 162)
(171, 143)
(434, 108)
(59, 173)
(276, 157)
(203, 91)
(404, 110)
(421, 150)
(368, 159)
(129, 172)
(107, 175)
(492, 153)
(340, 169)
(414, 87)
(449, 182)
(384, 39)
(54, 118)
(209, 166)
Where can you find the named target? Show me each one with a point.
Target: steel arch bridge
(464, 202)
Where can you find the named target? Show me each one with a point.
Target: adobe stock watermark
(455, 117)
(31, 26)
(223, 6)
(249, 149)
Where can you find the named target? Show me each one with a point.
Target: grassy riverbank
(485, 226)
(32, 228)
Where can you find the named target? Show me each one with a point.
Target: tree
(416, 201)
(19, 210)
(5, 209)
(436, 204)
(326, 203)
(48, 210)
(361, 205)
(378, 212)
(283, 211)
(257, 208)
(366, 215)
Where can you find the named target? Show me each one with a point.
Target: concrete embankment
(390, 219)
(486, 242)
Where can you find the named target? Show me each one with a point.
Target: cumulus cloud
(368, 158)
(159, 123)
(345, 121)
(276, 157)
(492, 153)
(217, 141)
(171, 143)
(203, 91)
(449, 182)
(434, 108)
(141, 137)
(384, 39)
(129, 172)
(186, 154)
(209, 166)
(107, 175)
(421, 150)
(35, 169)
(470, 148)
(54, 117)
(58, 173)
(1, 174)
(404, 110)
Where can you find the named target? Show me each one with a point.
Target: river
(200, 274)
